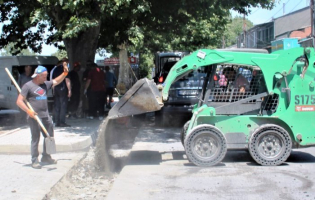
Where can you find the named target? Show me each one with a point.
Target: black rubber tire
(183, 133)
(270, 145)
(216, 148)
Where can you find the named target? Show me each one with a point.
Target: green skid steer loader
(267, 108)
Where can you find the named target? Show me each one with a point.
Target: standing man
(35, 92)
(75, 90)
(61, 94)
(87, 94)
(24, 78)
(96, 80)
(111, 82)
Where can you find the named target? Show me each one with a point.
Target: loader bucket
(142, 97)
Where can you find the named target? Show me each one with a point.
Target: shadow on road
(153, 157)
(156, 158)
(301, 157)
(237, 156)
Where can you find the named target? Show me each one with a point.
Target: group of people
(66, 85)
(98, 86)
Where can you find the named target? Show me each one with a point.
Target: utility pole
(244, 30)
(223, 42)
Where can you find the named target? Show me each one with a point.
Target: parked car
(183, 93)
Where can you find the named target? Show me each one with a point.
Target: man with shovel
(35, 92)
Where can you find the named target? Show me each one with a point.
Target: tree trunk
(82, 48)
(124, 78)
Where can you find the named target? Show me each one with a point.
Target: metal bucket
(142, 97)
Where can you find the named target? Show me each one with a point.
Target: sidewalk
(81, 135)
(19, 180)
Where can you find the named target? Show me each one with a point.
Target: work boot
(36, 165)
(48, 160)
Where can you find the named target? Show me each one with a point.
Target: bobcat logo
(40, 91)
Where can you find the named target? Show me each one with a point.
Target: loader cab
(237, 84)
(16, 65)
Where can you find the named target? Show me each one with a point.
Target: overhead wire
(296, 6)
(252, 40)
(279, 10)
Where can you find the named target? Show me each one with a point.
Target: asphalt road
(157, 168)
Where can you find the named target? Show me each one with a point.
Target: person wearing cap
(35, 92)
(62, 93)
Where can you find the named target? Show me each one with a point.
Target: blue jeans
(60, 106)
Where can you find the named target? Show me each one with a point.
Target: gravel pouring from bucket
(142, 97)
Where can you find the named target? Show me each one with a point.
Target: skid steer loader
(268, 108)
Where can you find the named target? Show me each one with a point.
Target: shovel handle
(27, 103)
(117, 92)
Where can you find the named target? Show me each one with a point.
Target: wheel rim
(270, 145)
(205, 146)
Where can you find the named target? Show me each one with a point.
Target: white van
(16, 65)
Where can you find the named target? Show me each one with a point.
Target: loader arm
(144, 96)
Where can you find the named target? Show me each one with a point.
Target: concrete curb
(19, 141)
(60, 148)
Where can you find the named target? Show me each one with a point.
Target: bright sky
(257, 16)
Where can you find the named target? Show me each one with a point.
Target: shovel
(49, 141)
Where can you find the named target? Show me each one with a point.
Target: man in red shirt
(96, 79)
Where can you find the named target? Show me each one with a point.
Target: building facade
(292, 25)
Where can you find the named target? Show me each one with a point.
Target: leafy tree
(85, 25)
(235, 28)
(9, 50)
(61, 53)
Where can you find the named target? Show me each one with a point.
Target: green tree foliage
(146, 64)
(9, 50)
(61, 53)
(86, 25)
(117, 20)
(234, 28)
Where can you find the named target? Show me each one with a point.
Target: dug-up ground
(83, 182)
(93, 176)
